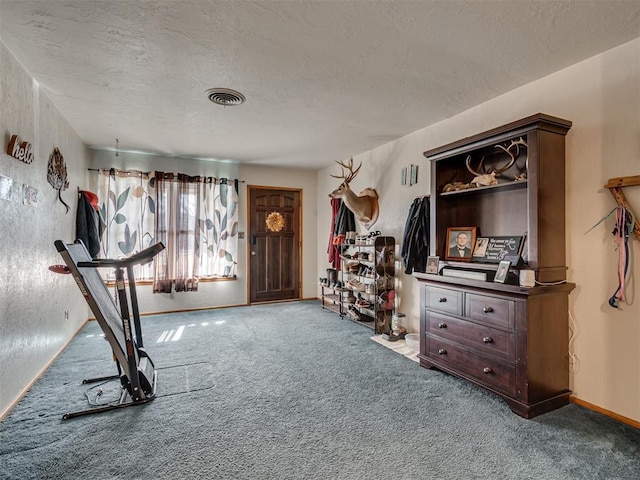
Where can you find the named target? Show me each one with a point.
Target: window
(196, 218)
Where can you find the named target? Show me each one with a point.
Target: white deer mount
(364, 205)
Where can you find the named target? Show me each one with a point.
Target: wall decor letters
(20, 150)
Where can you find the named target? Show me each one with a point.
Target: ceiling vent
(225, 96)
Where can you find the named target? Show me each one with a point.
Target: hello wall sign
(20, 150)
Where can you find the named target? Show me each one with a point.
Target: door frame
(300, 239)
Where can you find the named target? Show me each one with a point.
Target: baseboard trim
(286, 300)
(24, 391)
(604, 411)
(193, 309)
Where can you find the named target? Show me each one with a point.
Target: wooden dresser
(508, 339)
(512, 341)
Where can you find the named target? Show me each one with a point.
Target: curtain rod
(137, 172)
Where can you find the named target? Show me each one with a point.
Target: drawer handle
(487, 339)
(487, 309)
(442, 351)
(442, 325)
(487, 370)
(443, 300)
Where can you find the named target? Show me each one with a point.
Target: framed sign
(496, 249)
(460, 242)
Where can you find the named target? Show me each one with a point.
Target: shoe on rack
(362, 303)
(361, 239)
(349, 298)
(353, 313)
(356, 285)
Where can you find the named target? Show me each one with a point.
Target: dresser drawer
(491, 310)
(443, 299)
(485, 340)
(491, 372)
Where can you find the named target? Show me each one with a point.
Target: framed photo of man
(460, 242)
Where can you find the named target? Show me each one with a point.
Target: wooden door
(274, 244)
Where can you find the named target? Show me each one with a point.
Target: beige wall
(602, 98)
(32, 330)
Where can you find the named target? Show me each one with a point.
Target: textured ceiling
(323, 79)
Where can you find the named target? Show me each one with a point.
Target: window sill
(111, 283)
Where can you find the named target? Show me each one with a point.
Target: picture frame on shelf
(460, 243)
(502, 271)
(496, 248)
(480, 247)
(432, 265)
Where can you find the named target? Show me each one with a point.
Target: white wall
(33, 300)
(224, 293)
(602, 98)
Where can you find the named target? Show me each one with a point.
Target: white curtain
(218, 225)
(127, 206)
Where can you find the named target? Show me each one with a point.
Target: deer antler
(477, 174)
(508, 149)
(349, 167)
(514, 157)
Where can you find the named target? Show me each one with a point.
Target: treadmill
(136, 370)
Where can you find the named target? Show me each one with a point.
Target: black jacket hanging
(88, 225)
(415, 239)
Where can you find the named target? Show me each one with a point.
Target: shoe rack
(367, 285)
(331, 295)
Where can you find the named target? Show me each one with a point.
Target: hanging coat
(415, 239)
(88, 224)
(334, 255)
(344, 221)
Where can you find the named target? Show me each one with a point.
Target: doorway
(274, 244)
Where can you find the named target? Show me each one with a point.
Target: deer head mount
(364, 205)
(489, 178)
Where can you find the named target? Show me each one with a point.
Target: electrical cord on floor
(94, 402)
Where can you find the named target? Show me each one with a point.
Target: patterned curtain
(218, 226)
(196, 218)
(127, 206)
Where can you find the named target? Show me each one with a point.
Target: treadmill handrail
(139, 258)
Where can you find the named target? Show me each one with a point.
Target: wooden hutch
(508, 339)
